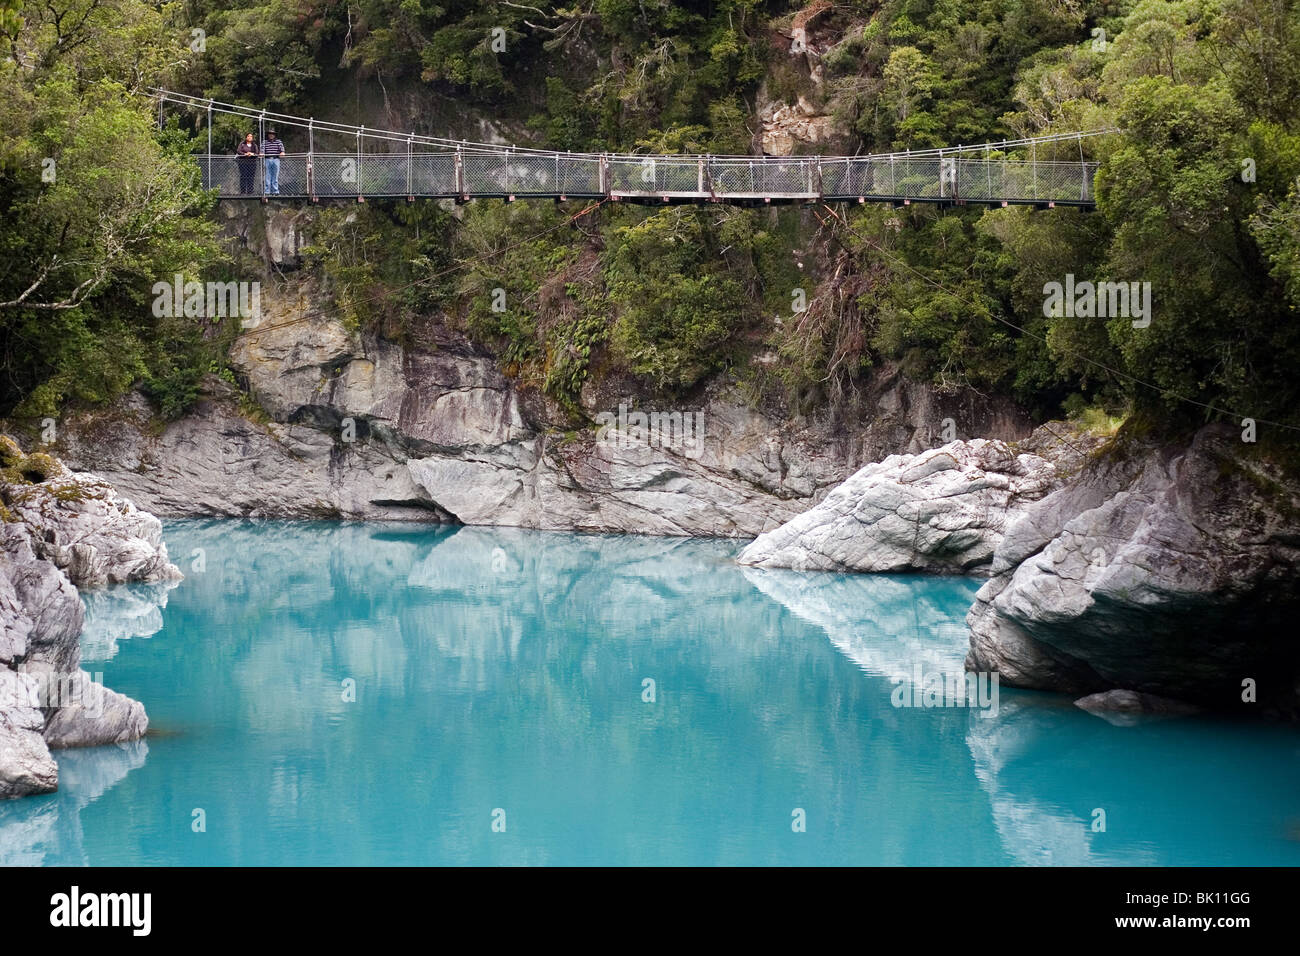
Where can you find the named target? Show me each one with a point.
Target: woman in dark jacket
(246, 158)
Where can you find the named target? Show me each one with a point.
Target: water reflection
(38, 831)
(120, 613)
(1065, 788)
(335, 693)
(886, 624)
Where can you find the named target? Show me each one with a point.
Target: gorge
(636, 421)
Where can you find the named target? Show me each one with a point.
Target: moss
(17, 468)
(39, 467)
(71, 491)
(10, 453)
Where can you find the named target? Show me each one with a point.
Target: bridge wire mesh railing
(559, 175)
(328, 160)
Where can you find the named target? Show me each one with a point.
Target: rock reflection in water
(500, 668)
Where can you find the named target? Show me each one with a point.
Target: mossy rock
(17, 468)
(38, 467)
(10, 453)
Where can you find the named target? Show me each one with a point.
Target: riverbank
(1145, 576)
(61, 532)
(1162, 568)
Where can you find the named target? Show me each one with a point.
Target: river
(379, 694)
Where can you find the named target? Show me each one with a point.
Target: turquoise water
(500, 670)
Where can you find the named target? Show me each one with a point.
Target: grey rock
(91, 715)
(1169, 571)
(42, 614)
(26, 766)
(439, 433)
(91, 533)
(65, 528)
(943, 510)
(276, 234)
(216, 462)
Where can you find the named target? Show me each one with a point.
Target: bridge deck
(481, 173)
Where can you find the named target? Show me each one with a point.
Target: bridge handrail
(465, 146)
(678, 159)
(510, 175)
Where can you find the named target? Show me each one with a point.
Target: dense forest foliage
(1197, 194)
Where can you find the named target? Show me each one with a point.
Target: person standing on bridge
(272, 150)
(246, 159)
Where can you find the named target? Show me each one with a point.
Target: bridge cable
(451, 145)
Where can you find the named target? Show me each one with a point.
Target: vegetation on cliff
(1197, 194)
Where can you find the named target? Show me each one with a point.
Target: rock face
(365, 428)
(91, 533)
(279, 234)
(943, 510)
(25, 762)
(1166, 571)
(61, 529)
(787, 126)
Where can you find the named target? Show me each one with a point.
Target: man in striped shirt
(272, 150)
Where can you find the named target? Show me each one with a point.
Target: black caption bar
(293, 905)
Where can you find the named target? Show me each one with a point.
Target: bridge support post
(261, 161)
(1034, 163)
(360, 187)
(460, 176)
(1083, 174)
(209, 144)
(311, 159)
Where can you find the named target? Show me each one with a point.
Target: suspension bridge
(359, 163)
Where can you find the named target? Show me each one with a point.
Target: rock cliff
(332, 423)
(1166, 570)
(61, 531)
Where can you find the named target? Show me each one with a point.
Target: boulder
(91, 715)
(943, 510)
(91, 533)
(26, 766)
